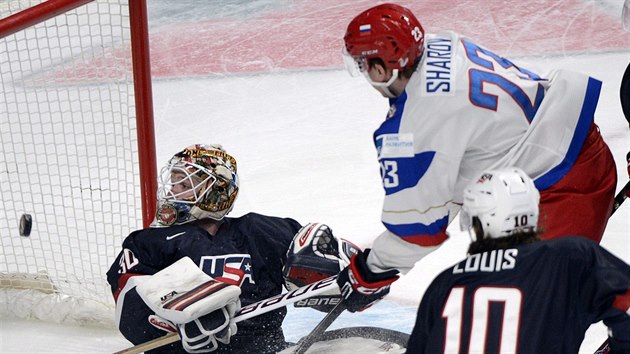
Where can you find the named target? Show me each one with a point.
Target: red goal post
(78, 151)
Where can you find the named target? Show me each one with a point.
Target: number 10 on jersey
(453, 313)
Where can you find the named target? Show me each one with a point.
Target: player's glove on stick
(361, 287)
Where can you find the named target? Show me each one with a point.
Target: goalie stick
(321, 287)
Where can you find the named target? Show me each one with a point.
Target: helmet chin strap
(383, 87)
(386, 92)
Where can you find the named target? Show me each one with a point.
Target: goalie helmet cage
(78, 151)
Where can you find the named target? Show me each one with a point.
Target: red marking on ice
(308, 35)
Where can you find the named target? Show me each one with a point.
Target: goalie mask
(316, 254)
(502, 202)
(198, 182)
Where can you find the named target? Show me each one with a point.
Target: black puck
(26, 223)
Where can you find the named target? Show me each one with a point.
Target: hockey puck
(26, 223)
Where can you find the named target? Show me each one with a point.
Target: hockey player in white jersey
(456, 109)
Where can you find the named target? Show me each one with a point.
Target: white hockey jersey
(464, 110)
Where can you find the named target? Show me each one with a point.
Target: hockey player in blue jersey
(193, 245)
(456, 109)
(515, 293)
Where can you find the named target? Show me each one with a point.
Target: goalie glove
(204, 334)
(316, 254)
(360, 287)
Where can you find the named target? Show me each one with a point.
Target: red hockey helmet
(387, 31)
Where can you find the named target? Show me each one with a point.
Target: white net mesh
(69, 148)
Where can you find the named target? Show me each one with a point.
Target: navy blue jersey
(536, 298)
(249, 251)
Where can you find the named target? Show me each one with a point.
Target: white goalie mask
(504, 201)
(198, 182)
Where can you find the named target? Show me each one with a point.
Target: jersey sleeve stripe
(585, 120)
(427, 240)
(122, 283)
(404, 230)
(421, 234)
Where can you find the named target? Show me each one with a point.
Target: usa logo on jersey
(229, 268)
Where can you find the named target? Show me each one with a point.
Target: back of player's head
(198, 182)
(388, 32)
(500, 203)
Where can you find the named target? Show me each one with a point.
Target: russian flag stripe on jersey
(420, 234)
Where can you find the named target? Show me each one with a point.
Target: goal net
(71, 153)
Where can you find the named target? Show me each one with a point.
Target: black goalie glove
(360, 287)
(316, 254)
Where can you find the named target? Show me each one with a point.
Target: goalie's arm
(134, 319)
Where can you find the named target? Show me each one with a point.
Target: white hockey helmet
(198, 182)
(504, 201)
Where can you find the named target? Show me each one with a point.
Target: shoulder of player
(263, 224)
(168, 233)
(567, 242)
(566, 247)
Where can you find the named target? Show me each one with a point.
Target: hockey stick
(623, 194)
(321, 287)
(305, 343)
